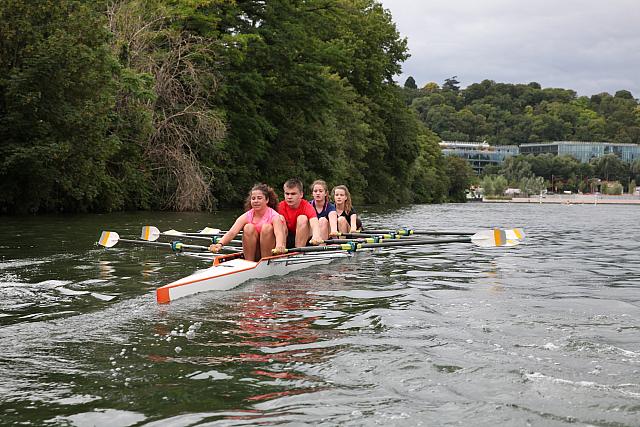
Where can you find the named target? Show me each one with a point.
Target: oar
(151, 234)
(374, 239)
(386, 236)
(485, 238)
(109, 239)
(515, 233)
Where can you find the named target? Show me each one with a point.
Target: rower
(299, 216)
(262, 228)
(325, 210)
(348, 220)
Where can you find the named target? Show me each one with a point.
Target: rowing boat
(231, 271)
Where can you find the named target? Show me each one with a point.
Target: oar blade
(108, 239)
(494, 238)
(173, 232)
(209, 230)
(515, 234)
(150, 233)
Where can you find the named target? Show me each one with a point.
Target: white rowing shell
(229, 274)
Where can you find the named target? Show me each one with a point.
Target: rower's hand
(279, 250)
(215, 248)
(354, 231)
(316, 242)
(334, 234)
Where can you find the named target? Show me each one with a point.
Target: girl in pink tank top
(262, 227)
(267, 218)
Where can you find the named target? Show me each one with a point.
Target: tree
(451, 84)
(460, 175)
(184, 124)
(56, 92)
(410, 83)
(500, 185)
(516, 168)
(610, 168)
(487, 185)
(531, 185)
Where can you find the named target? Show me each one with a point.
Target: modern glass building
(584, 151)
(478, 154)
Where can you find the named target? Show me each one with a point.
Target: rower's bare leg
(333, 223)
(323, 225)
(343, 225)
(303, 231)
(280, 231)
(250, 242)
(267, 240)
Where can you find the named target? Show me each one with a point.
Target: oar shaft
(408, 232)
(181, 246)
(354, 245)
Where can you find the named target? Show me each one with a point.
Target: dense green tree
(410, 83)
(429, 180)
(610, 168)
(451, 84)
(56, 92)
(460, 175)
(311, 94)
(515, 169)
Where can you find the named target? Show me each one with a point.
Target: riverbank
(572, 199)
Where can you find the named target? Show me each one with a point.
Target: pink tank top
(267, 218)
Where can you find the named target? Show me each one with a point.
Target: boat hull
(229, 274)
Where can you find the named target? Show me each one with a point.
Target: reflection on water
(541, 334)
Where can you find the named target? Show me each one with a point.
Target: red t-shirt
(291, 215)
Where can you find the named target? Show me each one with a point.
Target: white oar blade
(150, 233)
(108, 239)
(173, 233)
(515, 234)
(494, 238)
(209, 230)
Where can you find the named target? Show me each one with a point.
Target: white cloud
(586, 45)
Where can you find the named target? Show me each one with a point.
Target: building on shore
(583, 151)
(479, 154)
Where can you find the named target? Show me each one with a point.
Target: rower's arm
(233, 231)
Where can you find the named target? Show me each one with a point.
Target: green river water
(542, 334)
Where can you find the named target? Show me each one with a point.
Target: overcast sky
(590, 46)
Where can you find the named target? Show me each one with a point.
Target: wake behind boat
(231, 270)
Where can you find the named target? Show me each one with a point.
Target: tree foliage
(57, 90)
(506, 114)
(184, 105)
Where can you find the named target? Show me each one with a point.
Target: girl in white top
(348, 221)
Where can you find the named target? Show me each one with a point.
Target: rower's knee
(249, 230)
(267, 229)
(302, 223)
(342, 221)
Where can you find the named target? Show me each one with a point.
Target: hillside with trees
(513, 114)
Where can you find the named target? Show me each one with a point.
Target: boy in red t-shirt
(299, 215)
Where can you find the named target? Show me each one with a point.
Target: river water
(542, 334)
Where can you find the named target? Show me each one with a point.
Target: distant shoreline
(572, 199)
